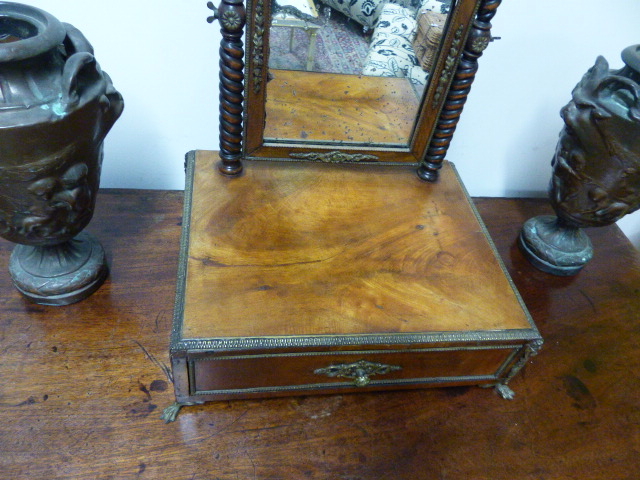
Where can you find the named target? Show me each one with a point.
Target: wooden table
(290, 20)
(82, 387)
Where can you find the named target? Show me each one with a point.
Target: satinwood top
(309, 249)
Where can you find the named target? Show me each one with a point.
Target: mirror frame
(243, 79)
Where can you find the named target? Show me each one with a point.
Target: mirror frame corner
(243, 78)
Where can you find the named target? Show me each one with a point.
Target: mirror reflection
(350, 72)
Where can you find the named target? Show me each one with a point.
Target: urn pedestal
(56, 107)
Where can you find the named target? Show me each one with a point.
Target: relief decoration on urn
(56, 107)
(596, 167)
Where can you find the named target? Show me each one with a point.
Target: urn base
(59, 274)
(553, 247)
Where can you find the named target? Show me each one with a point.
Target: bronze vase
(596, 167)
(56, 107)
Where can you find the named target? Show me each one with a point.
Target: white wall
(507, 135)
(162, 56)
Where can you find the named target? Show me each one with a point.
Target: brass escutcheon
(360, 372)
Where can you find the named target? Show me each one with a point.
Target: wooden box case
(325, 279)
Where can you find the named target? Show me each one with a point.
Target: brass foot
(170, 413)
(505, 391)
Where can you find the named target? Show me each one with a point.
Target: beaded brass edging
(246, 343)
(496, 254)
(178, 309)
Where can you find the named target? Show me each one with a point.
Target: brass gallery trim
(258, 46)
(352, 352)
(414, 382)
(178, 310)
(335, 156)
(497, 256)
(449, 66)
(245, 343)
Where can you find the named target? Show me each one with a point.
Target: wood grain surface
(311, 106)
(313, 249)
(82, 387)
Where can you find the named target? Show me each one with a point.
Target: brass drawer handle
(359, 371)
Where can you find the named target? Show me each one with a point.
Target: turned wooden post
(478, 39)
(232, 17)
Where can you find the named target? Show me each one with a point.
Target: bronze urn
(56, 107)
(596, 167)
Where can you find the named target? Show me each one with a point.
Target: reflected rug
(341, 47)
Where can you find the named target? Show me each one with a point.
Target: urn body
(56, 107)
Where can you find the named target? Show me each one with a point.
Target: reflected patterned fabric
(391, 51)
(439, 6)
(365, 12)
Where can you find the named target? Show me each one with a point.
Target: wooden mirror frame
(243, 81)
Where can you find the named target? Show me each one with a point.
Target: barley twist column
(478, 39)
(232, 17)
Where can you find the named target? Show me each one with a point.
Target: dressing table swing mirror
(313, 258)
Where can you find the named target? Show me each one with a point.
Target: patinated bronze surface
(596, 166)
(56, 107)
(596, 175)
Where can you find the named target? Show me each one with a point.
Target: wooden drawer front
(229, 374)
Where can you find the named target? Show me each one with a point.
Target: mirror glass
(350, 72)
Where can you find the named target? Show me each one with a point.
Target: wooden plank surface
(328, 107)
(312, 249)
(82, 387)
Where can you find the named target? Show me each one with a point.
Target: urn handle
(75, 41)
(80, 71)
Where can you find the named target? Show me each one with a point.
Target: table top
(288, 15)
(82, 387)
(325, 250)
